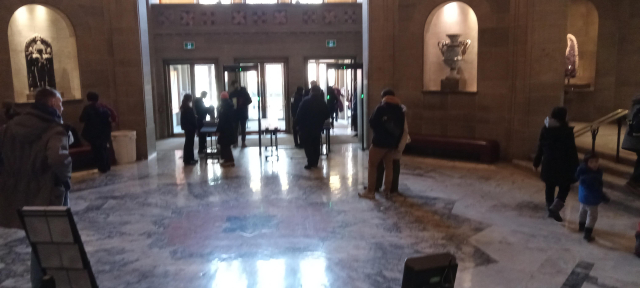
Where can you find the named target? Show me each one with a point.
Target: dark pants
(311, 143)
(226, 154)
(635, 177)
(242, 126)
(202, 141)
(396, 176)
(187, 152)
(550, 192)
(101, 156)
(296, 134)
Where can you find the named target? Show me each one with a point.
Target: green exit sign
(331, 43)
(189, 45)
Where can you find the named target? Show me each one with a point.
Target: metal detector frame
(237, 69)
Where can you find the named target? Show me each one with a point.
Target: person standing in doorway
(243, 100)
(226, 129)
(312, 114)
(295, 104)
(387, 123)
(631, 142)
(97, 131)
(35, 145)
(201, 115)
(558, 156)
(189, 124)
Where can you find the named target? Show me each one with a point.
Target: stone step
(612, 182)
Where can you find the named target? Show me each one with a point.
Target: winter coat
(557, 153)
(188, 119)
(243, 100)
(35, 150)
(591, 192)
(632, 143)
(387, 123)
(295, 105)
(312, 114)
(97, 123)
(226, 123)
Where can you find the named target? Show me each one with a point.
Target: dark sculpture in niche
(39, 55)
(571, 59)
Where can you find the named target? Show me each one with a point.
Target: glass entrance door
(182, 78)
(346, 80)
(268, 80)
(179, 79)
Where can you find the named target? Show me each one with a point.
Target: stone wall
(112, 60)
(227, 34)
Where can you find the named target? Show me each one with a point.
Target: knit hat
(559, 114)
(224, 95)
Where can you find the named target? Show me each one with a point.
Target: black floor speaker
(431, 271)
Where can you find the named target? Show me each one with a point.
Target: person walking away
(558, 156)
(387, 123)
(332, 102)
(295, 104)
(396, 161)
(311, 115)
(97, 131)
(226, 129)
(591, 194)
(242, 99)
(202, 111)
(35, 146)
(189, 124)
(631, 142)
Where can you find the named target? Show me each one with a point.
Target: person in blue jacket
(591, 194)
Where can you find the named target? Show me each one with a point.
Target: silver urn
(453, 52)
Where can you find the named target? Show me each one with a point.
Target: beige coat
(35, 150)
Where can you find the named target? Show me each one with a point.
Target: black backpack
(634, 124)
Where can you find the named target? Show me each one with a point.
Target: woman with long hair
(189, 124)
(226, 129)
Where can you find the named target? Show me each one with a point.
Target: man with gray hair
(37, 166)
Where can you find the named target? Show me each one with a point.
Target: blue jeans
(36, 269)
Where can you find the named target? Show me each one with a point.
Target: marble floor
(273, 224)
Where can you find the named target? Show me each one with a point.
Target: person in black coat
(311, 115)
(97, 131)
(190, 125)
(201, 115)
(226, 129)
(242, 99)
(387, 123)
(295, 104)
(558, 156)
(332, 102)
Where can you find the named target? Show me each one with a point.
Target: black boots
(581, 226)
(587, 234)
(554, 210)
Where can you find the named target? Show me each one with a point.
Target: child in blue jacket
(591, 194)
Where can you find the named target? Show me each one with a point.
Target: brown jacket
(35, 150)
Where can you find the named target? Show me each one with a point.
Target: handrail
(615, 115)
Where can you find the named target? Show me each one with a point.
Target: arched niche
(450, 18)
(583, 26)
(59, 46)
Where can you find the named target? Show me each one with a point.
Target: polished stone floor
(273, 224)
